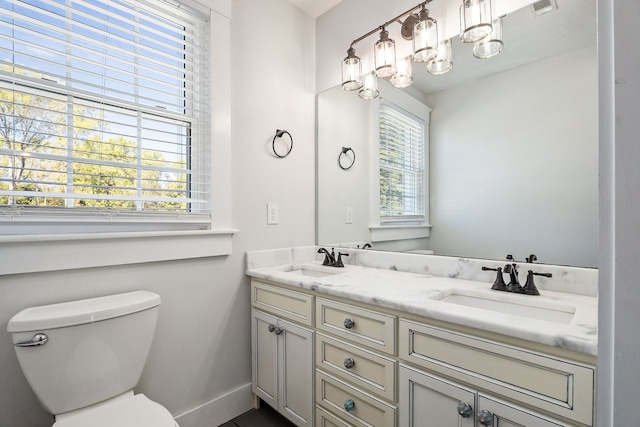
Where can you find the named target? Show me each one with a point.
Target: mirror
(513, 148)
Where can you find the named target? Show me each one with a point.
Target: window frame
(20, 220)
(34, 252)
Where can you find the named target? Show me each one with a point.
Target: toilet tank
(96, 348)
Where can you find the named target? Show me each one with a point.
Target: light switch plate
(272, 213)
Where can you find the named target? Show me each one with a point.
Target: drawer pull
(278, 331)
(348, 323)
(272, 328)
(485, 417)
(349, 363)
(349, 404)
(464, 409)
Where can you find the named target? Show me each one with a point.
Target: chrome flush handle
(37, 340)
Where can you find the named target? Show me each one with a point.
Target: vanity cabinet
(427, 400)
(356, 364)
(282, 353)
(545, 383)
(323, 361)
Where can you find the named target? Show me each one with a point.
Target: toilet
(83, 358)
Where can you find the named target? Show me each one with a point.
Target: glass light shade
(370, 88)
(425, 38)
(475, 20)
(443, 63)
(351, 71)
(403, 76)
(490, 45)
(385, 55)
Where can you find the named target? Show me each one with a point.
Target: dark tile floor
(263, 417)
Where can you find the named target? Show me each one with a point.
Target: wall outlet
(272, 213)
(349, 215)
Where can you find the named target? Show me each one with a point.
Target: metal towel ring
(344, 152)
(279, 134)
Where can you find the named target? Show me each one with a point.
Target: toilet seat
(134, 411)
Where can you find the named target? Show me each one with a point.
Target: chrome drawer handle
(348, 323)
(349, 404)
(37, 340)
(349, 363)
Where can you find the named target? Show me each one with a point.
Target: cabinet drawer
(365, 327)
(367, 370)
(327, 419)
(285, 303)
(559, 386)
(367, 411)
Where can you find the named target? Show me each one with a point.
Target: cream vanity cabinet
(356, 366)
(550, 390)
(329, 362)
(282, 351)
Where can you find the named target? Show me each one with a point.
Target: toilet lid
(135, 411)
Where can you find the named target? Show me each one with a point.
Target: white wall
(201, 351)
(619, 302)
(539, 121)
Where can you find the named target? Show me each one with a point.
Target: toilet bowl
(83, 358)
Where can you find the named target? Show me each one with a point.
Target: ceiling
(314, 8)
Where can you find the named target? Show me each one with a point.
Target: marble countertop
(561, 319)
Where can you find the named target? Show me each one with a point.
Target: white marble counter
(559, 317)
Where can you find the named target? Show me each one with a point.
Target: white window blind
(402, 165)
(103, 108)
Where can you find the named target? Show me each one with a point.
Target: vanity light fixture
(425, 37)
(370, 87)
(475, 26)
(385, 55)
(351, 71)
(475, 20)
(492, 44)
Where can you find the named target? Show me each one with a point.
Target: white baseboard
(219, 410)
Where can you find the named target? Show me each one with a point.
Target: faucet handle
(531, 258)
(498, 284)
(530, 286)
(339, 260)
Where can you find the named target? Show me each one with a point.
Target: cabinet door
(429, 401)
(296, 373)
(264, 357)
(503, 414)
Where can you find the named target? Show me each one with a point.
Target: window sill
(385, 233)
(38, 253)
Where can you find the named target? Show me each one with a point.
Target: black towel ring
(279, 134)
(344, 152)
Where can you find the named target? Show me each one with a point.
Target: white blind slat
(402, 165)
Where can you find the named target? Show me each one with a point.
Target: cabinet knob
(278, 331)
(349, 362)
(348, 323)
(485, 417)
(464, 409)
(272, 328)
(349, 404)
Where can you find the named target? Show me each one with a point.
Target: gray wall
(514, 163)
(201, 350)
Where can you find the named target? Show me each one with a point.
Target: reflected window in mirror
(403, 166)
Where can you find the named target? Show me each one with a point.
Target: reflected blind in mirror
(402, 165)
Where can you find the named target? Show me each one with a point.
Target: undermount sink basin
(311, 272)
(518, 305)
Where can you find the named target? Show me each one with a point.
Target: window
(103, 113)
(403, 162)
